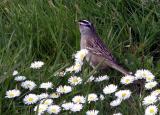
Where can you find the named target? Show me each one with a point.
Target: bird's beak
(77, 22)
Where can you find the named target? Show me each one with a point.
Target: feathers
(96, 46)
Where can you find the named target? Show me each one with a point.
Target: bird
(99, 56)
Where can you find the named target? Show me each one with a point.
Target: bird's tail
(119, 68)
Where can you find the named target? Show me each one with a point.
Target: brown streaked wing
(96, 46)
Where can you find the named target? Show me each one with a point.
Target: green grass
(46, 30)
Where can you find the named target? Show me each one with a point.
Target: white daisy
(123, 94)
(101, 78)
(74, 80)
(150, 85)
(53, 109)
(46, 101)
(20, 78)
(92, 112)
(12, 93)
(64, 89)
(76, 107)
(15, 72)
(81, 54)
(40, 109)
(143, 73)
(150, 78)
(127, 79)
(92, 97)
(28, 85)
(67, 106)
(54, 95)
(116, 102)
(151, 110)
(37, 64)
(117, 114)
(139, 74)
(149, 100)
(30, 99)
(46, 85)
(69, 69)
(110, 89)
(42, 96)
(78, 99)
(76, 68)
(61, 74)
(90, 79)
(101, 97)
(156, 92)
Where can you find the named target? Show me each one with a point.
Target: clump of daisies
(150, 101)
(144, 74)
(120, 96)
(79, 57)
(73, 99)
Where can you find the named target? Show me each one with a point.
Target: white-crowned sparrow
(98, 52)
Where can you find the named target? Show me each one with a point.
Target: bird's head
(85, 26)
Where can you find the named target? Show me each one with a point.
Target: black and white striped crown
(85, 22)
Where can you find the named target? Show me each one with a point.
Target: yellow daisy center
(41, 109)
(151, 110)
(91, 98)
(81, 55)
(78, 100)
(151, 85)
(46, 102)
(11, 94)
(75, 80)
(150, 100)
(53, 110)
(158, 90)
(127, 80)
(124, 94)
(149, 78)
(30, 99)
(144, 74)
(54, 95)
